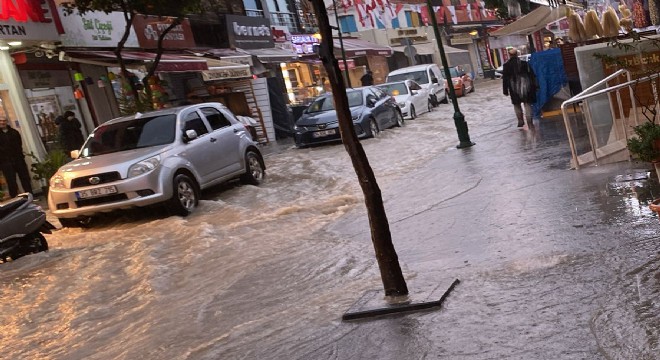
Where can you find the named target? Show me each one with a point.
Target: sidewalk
(549, 258)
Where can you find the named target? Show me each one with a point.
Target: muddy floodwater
(553, 263)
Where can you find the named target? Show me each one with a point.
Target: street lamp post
(341, 44)
(459, 119)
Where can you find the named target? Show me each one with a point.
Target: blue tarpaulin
(548, 67)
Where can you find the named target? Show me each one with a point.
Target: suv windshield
(326, 103)
(394, 89)
(420, 77)
(131, 134)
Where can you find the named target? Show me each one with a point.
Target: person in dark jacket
(519, 82)
(367, 79)
(70, 135)
(12, 160)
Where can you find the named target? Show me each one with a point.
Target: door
(225, 142)
(420, 97)
(380, 110)
(196, 151)
(437, 87)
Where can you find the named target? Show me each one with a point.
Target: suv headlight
(57, 181)
(402, 104)
(355, 117)
(143, 166)
(456, 81)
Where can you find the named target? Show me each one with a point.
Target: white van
(426, 75)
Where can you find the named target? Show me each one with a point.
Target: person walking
(12, 160)
(367, 79)
(70, 135)
(519, 82)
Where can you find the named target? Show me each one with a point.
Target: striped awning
(357, 47)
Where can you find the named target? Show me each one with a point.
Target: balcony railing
(254, 12)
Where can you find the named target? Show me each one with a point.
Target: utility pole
(459, 119)
(341, 42)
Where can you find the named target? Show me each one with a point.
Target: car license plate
(96, 192)
(324, 133)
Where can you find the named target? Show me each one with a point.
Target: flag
(452, 10)
(425, 15)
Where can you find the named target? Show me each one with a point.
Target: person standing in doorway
(367, 79)
(70, 134)
(519, 83)
(12, 160)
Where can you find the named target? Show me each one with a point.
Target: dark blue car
(372, 111)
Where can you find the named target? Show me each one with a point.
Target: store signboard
(149, 28)
(304, 44)
(226, 73)
(35, 79)
(95, 29)
(29, 20)
(461, 39)
(248, 32)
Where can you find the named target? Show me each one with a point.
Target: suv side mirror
(190, 135)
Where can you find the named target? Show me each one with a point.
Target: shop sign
(461, 39)
(29, 20)
(349, 62)
(95, 29)
(280, 33)
(248, 32)
(149, 28)
(224, 74)
(34, 79)
(304, 44)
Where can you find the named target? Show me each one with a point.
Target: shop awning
(356, 48)
(534, 21)
(168, 62)
(233, 55)
(273, 55)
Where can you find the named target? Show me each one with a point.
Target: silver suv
(166, 156)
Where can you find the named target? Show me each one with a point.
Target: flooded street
(553, 263)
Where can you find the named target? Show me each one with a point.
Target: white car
(427, 76)
(410, 96)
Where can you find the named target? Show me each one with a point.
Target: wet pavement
(553, 263)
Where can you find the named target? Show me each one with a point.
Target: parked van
(426, 75)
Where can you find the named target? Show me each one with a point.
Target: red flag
(425, 15)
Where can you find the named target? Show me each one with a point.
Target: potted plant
(45, 169)
(646, 145)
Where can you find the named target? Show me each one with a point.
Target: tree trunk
(159, 55)
(388, 262)
(129, 15)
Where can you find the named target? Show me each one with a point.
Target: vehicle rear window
(420, 77)
(394, 89)
(132, 134)
(326, 103)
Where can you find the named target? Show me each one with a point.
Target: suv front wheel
(254, 170)
(184, 197)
